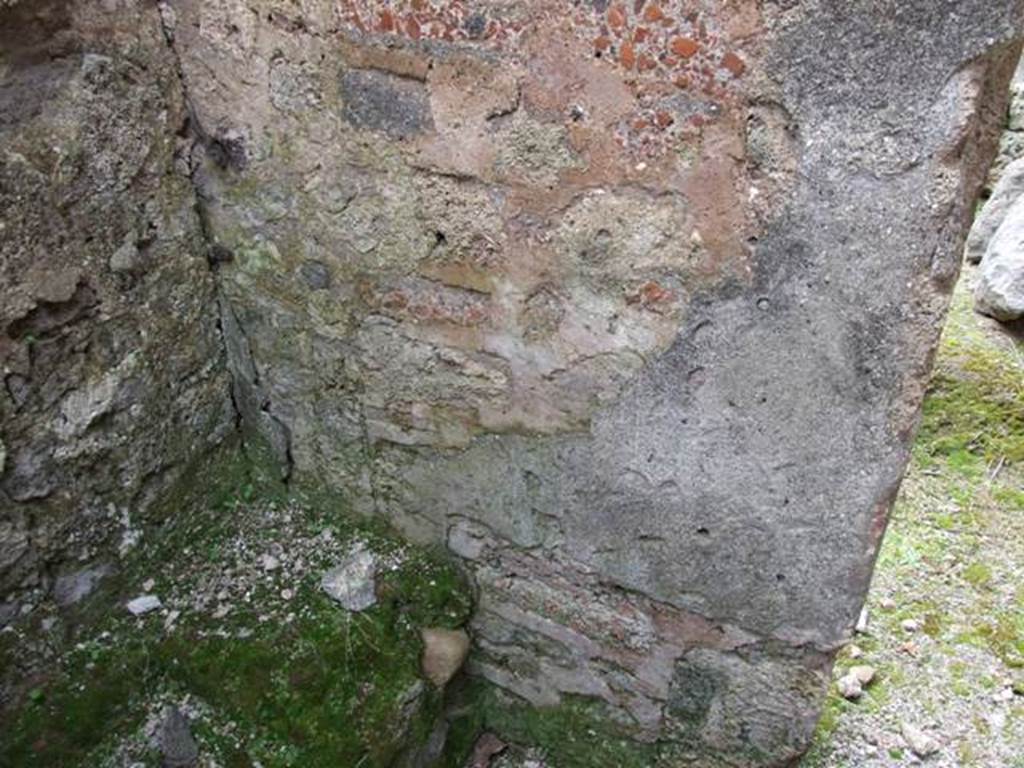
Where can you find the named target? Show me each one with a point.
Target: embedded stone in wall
(380, 101)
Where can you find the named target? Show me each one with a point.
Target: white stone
(143, 604)
(999, 292)
(920, 743)
(863, 673)
(353, 581)
(862, 622)
(991, 217)
(849, 687)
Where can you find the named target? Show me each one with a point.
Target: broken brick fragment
(664, 119)
(627, 56)
(653, 13)
(734, 64)
(684, 47)
(617, 17)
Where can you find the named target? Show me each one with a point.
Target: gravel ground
(945, 617)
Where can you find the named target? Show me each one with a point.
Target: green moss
(974, 420)
(63, 724)
(974, 411)
(321, 688)
(578, 733)
(978, 574)
(933, 624)
(952, 548)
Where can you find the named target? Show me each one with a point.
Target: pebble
(148, 584)
(920, 743)
(909, 625)
(863, 673)
(855, 651)
(270, 563)
(849, 687)
(143, 604)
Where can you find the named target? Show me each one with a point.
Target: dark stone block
(386, 103)
(316, 275)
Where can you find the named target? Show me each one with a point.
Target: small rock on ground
(920, 743)
(444, 651)
(143, 604)
(864, 673)
(849, 687)
(177, 746)
(353, 581)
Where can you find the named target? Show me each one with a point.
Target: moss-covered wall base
(268, 668)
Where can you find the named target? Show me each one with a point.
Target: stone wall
(631, 304)
(112, 363)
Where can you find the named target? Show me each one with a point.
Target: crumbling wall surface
(113, 374)
(631, 304)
